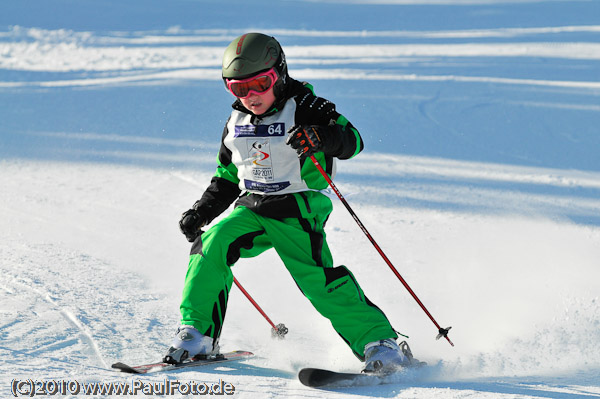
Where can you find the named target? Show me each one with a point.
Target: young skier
(276, 124)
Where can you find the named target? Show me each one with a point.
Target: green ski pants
(301, 245)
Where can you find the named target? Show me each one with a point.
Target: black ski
(162, 366)
(316, 378)
(313, 377)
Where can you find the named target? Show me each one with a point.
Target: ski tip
(317, 378)
(124, 368)
(306, 377)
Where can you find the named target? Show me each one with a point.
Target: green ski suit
(283, 208)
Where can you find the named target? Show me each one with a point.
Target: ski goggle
(257, 84)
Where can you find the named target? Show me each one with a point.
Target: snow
(480, 181)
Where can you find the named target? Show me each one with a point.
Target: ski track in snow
(145, 57)
(92, 262)
(63, 305)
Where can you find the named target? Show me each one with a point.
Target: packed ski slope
(480, 180)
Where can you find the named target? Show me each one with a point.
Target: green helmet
(252, 53)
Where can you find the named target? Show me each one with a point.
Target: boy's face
(258, 104)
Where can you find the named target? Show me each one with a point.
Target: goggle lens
(258, 84)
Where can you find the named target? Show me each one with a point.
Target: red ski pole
(442, 332)
(278, 330)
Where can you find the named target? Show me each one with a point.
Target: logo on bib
(259, 153)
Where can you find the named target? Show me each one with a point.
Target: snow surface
(480, 180)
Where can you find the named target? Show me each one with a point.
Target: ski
(316, 378)
(313, 377)
(162, 366)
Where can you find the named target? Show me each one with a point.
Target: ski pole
(278, 330)
(442, 332)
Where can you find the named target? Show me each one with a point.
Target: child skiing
(276, 123)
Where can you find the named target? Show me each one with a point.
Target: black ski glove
(191, 224)
(307, 139)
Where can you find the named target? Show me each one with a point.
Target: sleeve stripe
(358, 142)
(357, 139)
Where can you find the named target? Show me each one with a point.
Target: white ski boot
(386, 356)
(189, 343)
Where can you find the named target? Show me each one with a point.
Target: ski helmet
(253, 53)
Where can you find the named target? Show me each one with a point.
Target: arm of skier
(319, 127)
(220, 194)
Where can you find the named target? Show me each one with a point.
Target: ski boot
(386, 356)
(190, 343)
